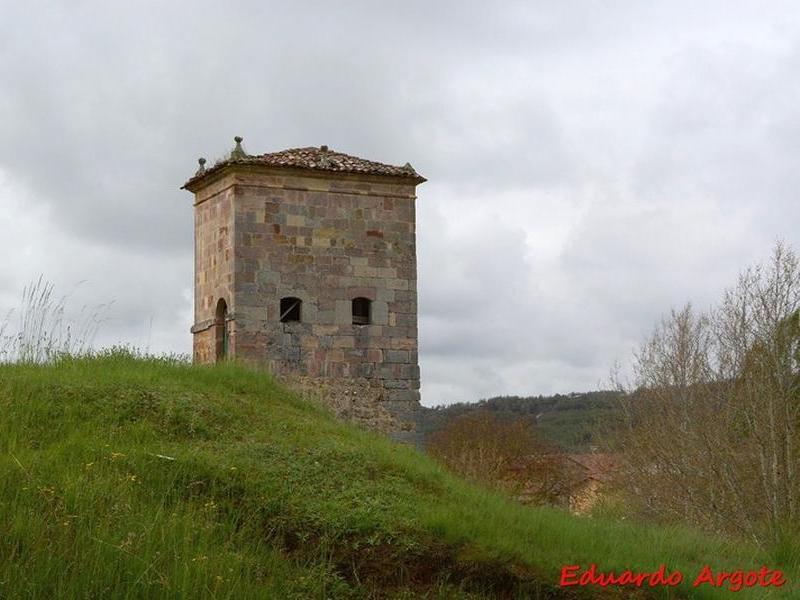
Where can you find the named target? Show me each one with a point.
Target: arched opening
(221, 330)
(290, 309)
(362, 311)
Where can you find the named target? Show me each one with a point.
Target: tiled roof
(311, 158)
(598, 465)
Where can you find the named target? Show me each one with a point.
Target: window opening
(361, 311)
(290, 309)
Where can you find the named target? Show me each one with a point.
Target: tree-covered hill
(574, 422)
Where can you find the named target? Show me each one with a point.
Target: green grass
(144, 478)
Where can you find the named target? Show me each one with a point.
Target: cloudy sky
(590, 164)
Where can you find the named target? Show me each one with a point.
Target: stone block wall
(214, 265)
(325, 240)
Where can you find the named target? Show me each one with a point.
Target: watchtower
(305, 261)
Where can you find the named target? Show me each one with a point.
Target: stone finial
(238, 151)
(324, 161)
(408, 167)
(202, 168)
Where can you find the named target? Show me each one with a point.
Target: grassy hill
(142, 478)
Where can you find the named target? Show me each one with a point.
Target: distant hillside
(573, 422)
(131, 478)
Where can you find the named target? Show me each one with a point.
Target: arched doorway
(221, 336)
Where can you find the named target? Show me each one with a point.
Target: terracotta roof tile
(314, 159)
(598, 465)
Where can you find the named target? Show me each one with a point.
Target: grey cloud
(589, 165)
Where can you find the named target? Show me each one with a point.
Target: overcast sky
(590, 164)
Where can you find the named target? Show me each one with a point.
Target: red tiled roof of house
(598, 465)
(310, 158)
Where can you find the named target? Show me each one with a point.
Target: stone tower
(305, 262)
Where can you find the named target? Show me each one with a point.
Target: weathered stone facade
(316, 231)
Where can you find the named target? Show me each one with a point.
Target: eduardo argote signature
(734, 580)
